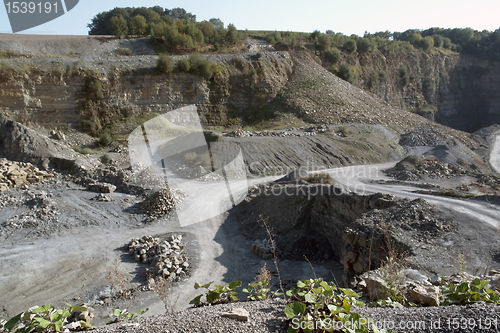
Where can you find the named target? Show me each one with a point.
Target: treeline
(173, 27)
(481, 43)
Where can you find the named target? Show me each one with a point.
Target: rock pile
(41, 219)
(265, 249)
(15, 174)
(101, 187)
(422, 137)
(166, 258)
(161, 203)
(293, 132)
(414, 168)
(417, 287)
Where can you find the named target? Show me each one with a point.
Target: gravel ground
(268, 316)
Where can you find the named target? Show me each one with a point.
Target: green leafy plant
(122, 315)
(45, 318)
(221, 294)
(316, 305)
(257, 291)
(386, 303)
(469, 293)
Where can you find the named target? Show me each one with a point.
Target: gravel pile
(422, 137)
(167, 258)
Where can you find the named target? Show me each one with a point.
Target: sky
(348, 16)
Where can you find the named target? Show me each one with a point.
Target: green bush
(365, 45)
(404, 75)
(350, 46)
(105, 139)
(183, 65)
(374, 80)
(333, 55)
(324, 42)
(200, 66)
(165, 64)
(345, 72)
(469, 293)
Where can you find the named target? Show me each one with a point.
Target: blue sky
(348, 16)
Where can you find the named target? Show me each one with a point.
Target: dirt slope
(319, 96)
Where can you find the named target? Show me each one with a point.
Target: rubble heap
(412, 169)
(42, 218)
(265, 249)
(161, 203)
(15, 174)
(166, 258)
(422, 137)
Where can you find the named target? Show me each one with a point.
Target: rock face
(53, 100)
(19, 143)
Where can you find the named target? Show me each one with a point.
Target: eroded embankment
(323, 222)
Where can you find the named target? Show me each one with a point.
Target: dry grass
(117, 279)
(275, 261)
(163, 288)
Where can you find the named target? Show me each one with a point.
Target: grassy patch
(84, 151)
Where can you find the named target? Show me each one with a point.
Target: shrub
(200, 66)
(183, 65)
(333, 55)
(365, 45)
(350, 46)
(404, 75)
(105, 139)
(324, 42)
(123, 52)
(345, 72)
(374, 80)
(165, 64)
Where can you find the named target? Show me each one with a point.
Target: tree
(427, 43)
(438, 40)
(232, 35)
(138, 25)
(118, 26)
